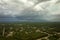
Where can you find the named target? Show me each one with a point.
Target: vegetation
(29, 31)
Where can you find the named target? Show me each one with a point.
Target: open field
(30, 31)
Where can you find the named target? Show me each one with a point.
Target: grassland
(30, 31)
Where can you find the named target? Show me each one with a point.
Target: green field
(30, 31)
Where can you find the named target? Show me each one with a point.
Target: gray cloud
(28, 10)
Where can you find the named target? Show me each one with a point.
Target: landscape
(30, 31)
(29, 19)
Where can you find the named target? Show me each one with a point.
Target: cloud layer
(30, 10)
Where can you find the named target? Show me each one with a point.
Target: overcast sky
(30, 10)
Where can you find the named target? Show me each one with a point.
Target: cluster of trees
(27, 31)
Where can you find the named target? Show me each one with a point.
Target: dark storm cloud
(29, 10)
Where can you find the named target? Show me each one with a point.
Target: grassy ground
(30, 31)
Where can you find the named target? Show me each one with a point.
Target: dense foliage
(29, 31)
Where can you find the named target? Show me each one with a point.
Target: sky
(30, 10)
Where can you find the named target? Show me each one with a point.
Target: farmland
(30, 31)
